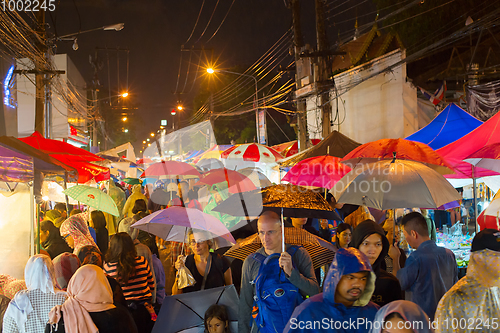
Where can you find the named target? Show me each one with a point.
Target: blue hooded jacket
(321, 313)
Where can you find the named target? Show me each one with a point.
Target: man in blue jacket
(344, 305)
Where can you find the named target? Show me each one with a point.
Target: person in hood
(475, 296)
(129, 205)
(401, 317)
(369, 238)
(51, 239)
(344, 305)
(430, 271)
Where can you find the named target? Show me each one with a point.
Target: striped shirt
(139, 285)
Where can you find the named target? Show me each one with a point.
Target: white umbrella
(394, 184)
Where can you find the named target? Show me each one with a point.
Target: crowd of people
(96, 273)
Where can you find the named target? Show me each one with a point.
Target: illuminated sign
(8, 84)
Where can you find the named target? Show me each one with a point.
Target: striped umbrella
(252, 152)
(321, 252)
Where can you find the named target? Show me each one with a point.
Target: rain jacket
(387, 287)
(321, 313)
(475, 297)
(119, 198)
(409, 311)
(129, 205)
(228, 220)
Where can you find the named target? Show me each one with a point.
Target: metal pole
(256, 109)
(474, 202)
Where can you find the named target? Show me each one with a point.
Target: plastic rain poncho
(136, 194)
(474, 299)
(219, 193)
(119, 198)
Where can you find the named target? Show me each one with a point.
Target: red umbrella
(252, 152)
(294, 148)
(404, 149)
(319, 171)
(56, 147)
(171, 169)
(487, 157)
(235, 180)
(144, 161)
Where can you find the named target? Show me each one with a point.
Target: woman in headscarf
(75, 232)
(28, 311)
(98, 222)
(90, 255)
(89, 307)
(401, 317)
(65, 265)
(51, 240)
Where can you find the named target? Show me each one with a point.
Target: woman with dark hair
(216, 319)
(209, 269)
(343, 236)
(98, 222)
(51, 239)
(134, 276)
(90, 255)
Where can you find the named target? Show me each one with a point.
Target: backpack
(275, 296)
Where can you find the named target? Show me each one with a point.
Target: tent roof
(455, 152)
(42, 161)
(15, 166)
(449, 125)
(335, 144)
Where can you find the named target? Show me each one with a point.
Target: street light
(124, 119)
(152, 134)
(211, 71)
(124, 95)
(115, 27)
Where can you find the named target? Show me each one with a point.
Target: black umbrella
(291, 200)
(185, 312)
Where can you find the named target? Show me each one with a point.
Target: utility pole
(301, 104)
(324, 68)
(40, 77)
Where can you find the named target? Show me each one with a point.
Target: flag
(437, 96)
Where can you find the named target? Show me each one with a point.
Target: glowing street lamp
(124, 95)
(152, 134)
(124, 119)
(179, 107)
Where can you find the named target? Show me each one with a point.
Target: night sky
(155, 30)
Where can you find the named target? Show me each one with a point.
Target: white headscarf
(38, 274)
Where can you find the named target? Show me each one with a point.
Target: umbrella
(93, 197)
(488, 221)
(252, 152)
(256, 176)
(320, 171)
(236, 182)
(185, 312)
(321, 251)
(171, 169)
(132, 181)
(491, 214)
(487, 157)
(171, 223)
(394, 184)
(404, 149)
(291, 148)
(292, 200)
(210, 163)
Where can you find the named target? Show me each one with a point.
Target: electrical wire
(223, 20)
(196, 23)
(210, 20)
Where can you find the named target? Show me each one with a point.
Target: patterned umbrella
(93, 197)
(321, 252)
(252, 152)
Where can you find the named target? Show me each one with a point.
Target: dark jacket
(102, 239)
(109, 321)
(55, 245)
(387, 287)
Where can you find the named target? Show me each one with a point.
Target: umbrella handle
(282, 232)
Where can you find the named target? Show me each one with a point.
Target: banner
(262, 127)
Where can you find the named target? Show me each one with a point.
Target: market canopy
(42, 162)
(70, 155)
(449, 125)
(455, 152)
(15, 166)
(335, 144)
